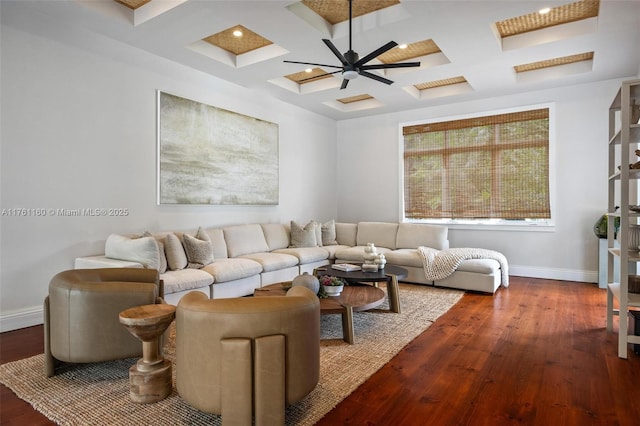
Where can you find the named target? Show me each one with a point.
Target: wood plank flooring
(536, 353)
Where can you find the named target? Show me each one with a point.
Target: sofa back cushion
(245, 239)
(346, 233)
(276, 234)
(143, 250)
(382, 234)
(414, 235)
(216, 235)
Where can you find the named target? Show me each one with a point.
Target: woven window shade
(494, 167)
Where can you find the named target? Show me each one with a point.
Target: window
(483, 168)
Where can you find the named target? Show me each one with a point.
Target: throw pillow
(163, 257)
(143, 250)
(198, 248)
(303, 237)
(176, 257)
(328, 230)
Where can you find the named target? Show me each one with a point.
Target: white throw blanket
(439, 264)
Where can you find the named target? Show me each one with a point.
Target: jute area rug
(89, 394)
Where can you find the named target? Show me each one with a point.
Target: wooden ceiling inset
(440, 83)
(565, 60)
(357, 98)
(413, 50)
(336, 11)
(298, 77)
(238, 45)
(557, 15)
(133, 4)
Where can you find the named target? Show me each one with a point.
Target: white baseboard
(34, 315)
(21, 319)
(554, 273)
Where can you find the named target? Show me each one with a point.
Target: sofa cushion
(306, 255)
(218, 244)
(414, 235)
(176, 257)
(245, 239)
(276, 234)
(198, 249)
(346, 233)
(224, 270)
(185, 279)
(143, 250)
(480, 266)
(404, 257)
(303, 236)
(332, 250)
(328, 233)
(382, 234)
(356, 254)
(272, 261)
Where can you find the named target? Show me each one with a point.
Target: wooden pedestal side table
(150, 378)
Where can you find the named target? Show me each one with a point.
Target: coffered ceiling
(467, 49)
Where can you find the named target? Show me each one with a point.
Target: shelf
(623, 142)
(633, 255)
(618, 214)
(633, 174)
(634, 135)
(634, 298)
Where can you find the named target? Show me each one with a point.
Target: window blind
(491, 167)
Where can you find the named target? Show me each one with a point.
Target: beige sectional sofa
(249, 256)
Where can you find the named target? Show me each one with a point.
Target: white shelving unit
(624, 139)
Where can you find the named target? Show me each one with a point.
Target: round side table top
(148, 321)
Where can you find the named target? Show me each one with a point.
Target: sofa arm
(101, 261)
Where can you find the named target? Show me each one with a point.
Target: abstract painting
(209, 155)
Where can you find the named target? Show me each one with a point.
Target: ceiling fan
(353, 65)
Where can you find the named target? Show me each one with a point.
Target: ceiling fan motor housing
(349, 75)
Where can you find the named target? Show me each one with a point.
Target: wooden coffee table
(354, 298)
(390, 274)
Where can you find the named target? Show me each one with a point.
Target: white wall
(79, 131)
(368, 169)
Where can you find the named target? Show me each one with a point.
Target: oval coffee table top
(358, 297)
(362, 276)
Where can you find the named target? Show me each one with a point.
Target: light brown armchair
(81, 322)
(247, 356)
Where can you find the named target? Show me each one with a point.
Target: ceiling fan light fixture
(350, 75)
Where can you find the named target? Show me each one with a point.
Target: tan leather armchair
(247, 356)
(81, 322)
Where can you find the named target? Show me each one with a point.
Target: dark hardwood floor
(537, 354)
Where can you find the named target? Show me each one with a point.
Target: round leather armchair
(246, 357)
(81, 321)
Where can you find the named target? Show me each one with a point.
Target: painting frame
(208, 155)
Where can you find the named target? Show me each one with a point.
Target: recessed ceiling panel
(555, 62)
(411, 51)
(336, 11)
(238, 40)
(554, 68)
(133, 4)
(555, 16)
(356, 98)
(310, 76)
(439, 88)
(440, 83)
